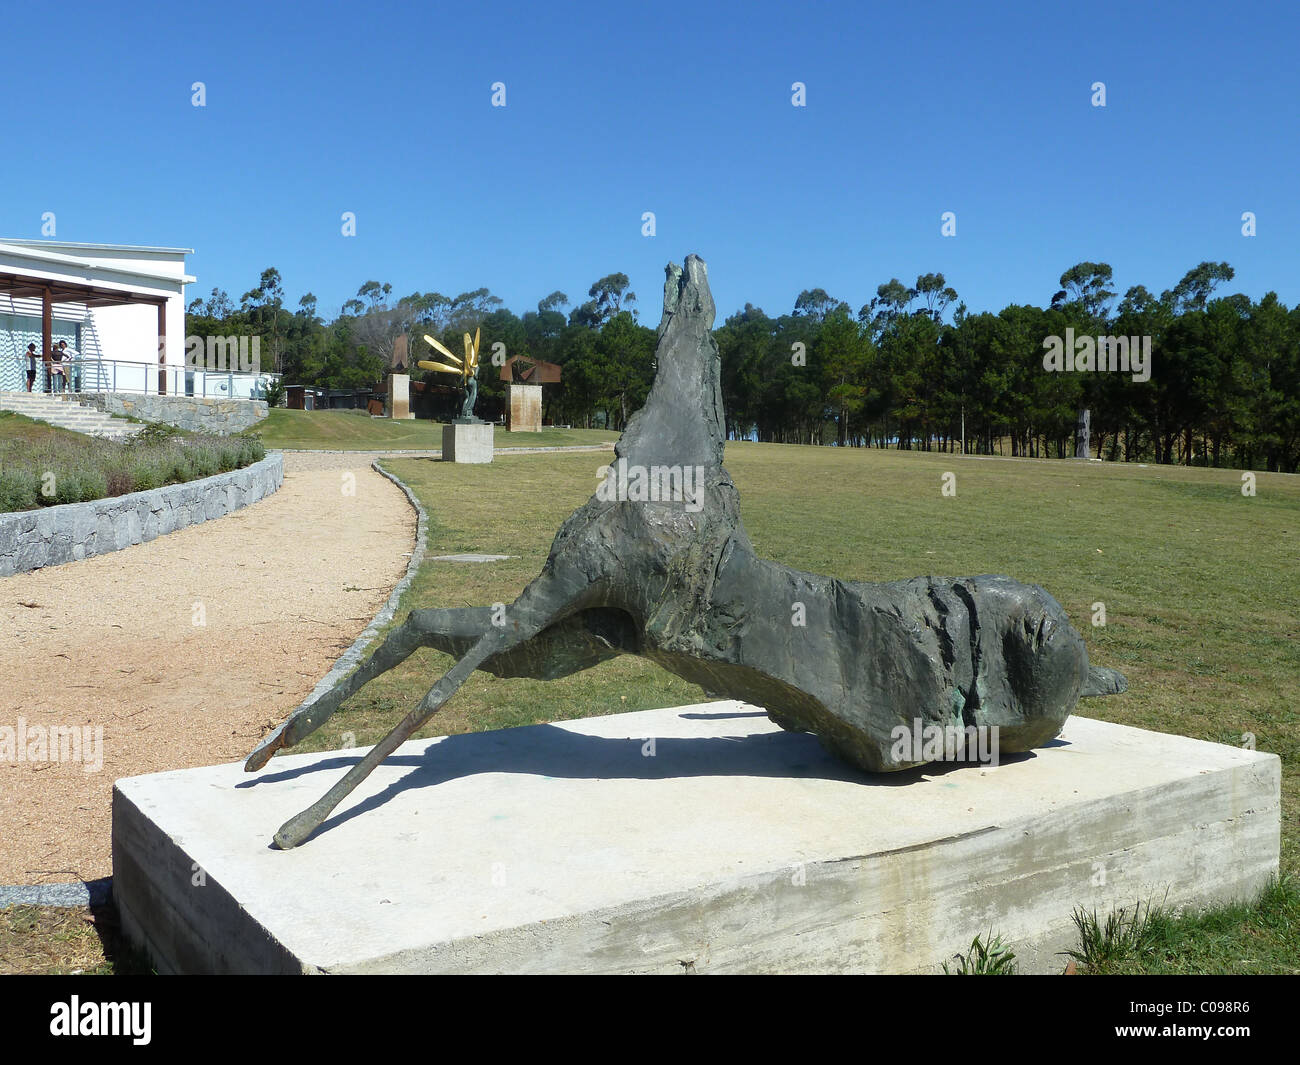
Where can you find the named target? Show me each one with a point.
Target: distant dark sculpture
(471, 397)
(1083, 434)
(657, 564)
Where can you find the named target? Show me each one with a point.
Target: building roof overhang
(20, 285)
(59, 269)
(92, 248)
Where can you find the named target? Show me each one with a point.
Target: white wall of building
(128, 332)
(131, 332)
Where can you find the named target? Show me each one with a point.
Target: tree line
(911, 369)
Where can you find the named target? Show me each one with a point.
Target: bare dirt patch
(184, 650)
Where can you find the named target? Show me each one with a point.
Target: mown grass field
(349, 431)
(1201, 587)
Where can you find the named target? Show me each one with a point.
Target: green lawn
(17, 427)
(1201, 585)
(350, 431)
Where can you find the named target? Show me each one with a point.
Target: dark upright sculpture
(675, 580)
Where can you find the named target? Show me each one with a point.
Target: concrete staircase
(67, 413)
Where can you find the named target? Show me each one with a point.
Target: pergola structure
(51, 291)
(117, 284)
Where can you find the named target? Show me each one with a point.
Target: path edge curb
(351, 658)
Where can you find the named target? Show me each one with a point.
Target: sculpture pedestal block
(399, 396)
(725, 845)
(525, 406)
(467, 442)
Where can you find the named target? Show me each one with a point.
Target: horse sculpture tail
(1103, 681)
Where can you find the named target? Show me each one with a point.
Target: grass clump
(1122, 937)
(993, 958)
(1252, 937)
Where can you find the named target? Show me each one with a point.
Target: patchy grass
(62, 942)
(18, 428)
(337, 430)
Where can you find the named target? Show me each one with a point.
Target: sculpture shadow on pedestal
(548, 751)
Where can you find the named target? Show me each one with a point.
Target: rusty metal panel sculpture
(520, 369)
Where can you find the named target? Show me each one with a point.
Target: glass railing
(121, 375)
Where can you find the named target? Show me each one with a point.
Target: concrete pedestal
(467, 442)
(399, 396)
(525, 405)
(698, 838)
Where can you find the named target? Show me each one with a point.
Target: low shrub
(146, 474)
(251, 449)
(67, 488)
(275, 392)
(76, 486)
(203, 461)
(18, 490)
(155, 433)
(119, 481)
(227, 456)
(94, 485)
(179, 469)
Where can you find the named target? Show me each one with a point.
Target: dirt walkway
(183, 651)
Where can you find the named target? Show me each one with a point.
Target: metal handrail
(125, 375)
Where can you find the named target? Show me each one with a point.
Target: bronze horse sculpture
(669, 574)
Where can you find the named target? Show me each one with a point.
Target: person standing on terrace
(58, 379)
(71, 380)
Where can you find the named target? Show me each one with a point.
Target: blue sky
(685, 110)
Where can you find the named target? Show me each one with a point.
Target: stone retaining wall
(200, 414)
(31, 539)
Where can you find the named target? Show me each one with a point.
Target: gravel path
(183, 650)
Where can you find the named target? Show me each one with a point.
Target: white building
(121, 310)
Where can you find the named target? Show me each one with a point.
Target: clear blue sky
(685, 110)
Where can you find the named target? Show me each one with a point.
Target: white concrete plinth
(524, 403)
(727, 845)
(467, 442)
(399, 396)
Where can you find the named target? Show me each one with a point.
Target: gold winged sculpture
(466, 370)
